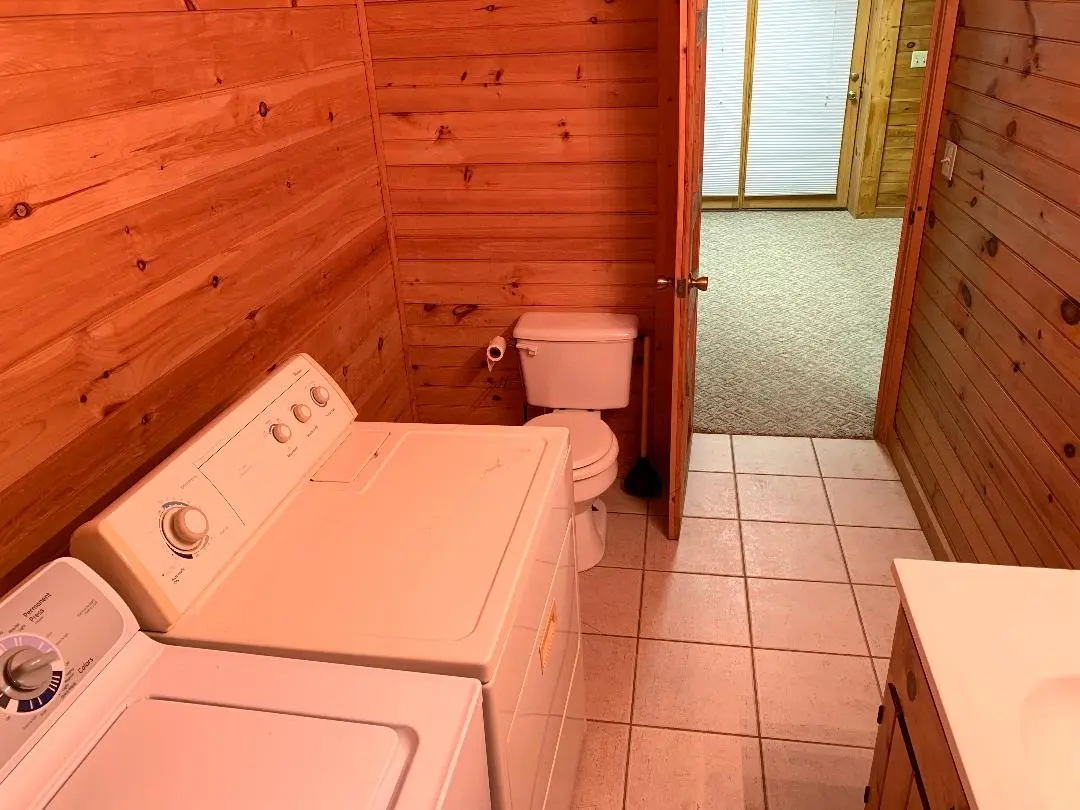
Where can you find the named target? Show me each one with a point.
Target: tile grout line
(637, 654)
(738, 734)
(767, 648)
(847, 570)
(750, 632)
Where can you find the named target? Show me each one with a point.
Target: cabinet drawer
(933, 757)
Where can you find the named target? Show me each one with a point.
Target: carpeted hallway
(792, 329)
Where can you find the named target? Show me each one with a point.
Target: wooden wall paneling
(520, 144)
(384, 180)
(176, 240)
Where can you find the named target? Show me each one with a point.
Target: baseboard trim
(935, 536)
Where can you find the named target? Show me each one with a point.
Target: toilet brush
(643, 481)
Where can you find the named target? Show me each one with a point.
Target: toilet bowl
(594, 453)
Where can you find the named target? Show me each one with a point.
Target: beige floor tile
(870, 552)
(878, 607)
(688, 769)
(609, 677)
(881, 669)
(792, 551)
(625, 542)
(817, 698)
(710, 495)
(710, 453)
(694, 607)
(774, 455)
(602, 770)
(808, 776)
(783, 498)
(706, 546)
(703, 687)
(807, 616)
(870, 503)
(610, 601)
(854, 458)
(618, 501)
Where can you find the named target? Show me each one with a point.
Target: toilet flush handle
(527, 347)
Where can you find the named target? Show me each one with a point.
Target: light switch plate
(948, 163)
(918, 59)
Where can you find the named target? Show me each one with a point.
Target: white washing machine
(287, 528)
(95, 714)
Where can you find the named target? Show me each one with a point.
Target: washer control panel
(184, 522)
(57, 630)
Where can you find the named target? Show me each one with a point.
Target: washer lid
(590, 436)
(168, 754)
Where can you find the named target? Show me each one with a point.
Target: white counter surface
(1001, 648)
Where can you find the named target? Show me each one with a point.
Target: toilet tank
(576, 360)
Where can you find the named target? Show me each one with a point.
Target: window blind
(724, 56)
(802, 58)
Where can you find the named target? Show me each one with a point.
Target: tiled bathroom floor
(741, 667)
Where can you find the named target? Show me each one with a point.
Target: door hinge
(880, 713)
(911, 217)
(866, 795)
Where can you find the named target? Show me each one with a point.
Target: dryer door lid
(168, 754)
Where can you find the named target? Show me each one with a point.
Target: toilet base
(590, 527)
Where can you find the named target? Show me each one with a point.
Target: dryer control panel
(57, 630)
(162, 544)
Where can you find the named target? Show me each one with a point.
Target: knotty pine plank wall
(521, 141)
(188, 197)
(989, 410)
(914, 35)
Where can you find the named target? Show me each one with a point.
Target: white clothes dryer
(286, 528)
(95, 714)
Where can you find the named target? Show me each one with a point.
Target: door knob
(664, 283)
(700, 283)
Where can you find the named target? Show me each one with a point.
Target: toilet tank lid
(576, 327)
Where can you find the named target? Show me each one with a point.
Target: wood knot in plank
(141, 264)
(21, 210)
(467, 174)
(215, 281)
(379, 344)
(931, 218)
(965, 293)
(1070, 311)
(992, 245)
(264, 109)
(330, 115)
(1070, 450)
(463, 310)
(594, 20)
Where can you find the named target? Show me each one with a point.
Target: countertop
(992, 638)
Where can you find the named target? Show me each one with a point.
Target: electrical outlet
(948, 163)
(918, 59)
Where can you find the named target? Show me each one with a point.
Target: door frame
(914, 222)
(847, 143)
(923, 165)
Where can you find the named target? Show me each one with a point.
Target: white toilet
(578, 364)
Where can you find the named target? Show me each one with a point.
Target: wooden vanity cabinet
(913, 766)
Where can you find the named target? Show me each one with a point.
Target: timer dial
(31, 670)
(186, 527)
(301, 411)
(281, 432)
(320, 396)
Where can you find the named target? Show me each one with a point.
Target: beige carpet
(792, 329)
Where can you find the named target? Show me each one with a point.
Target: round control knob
(301, 412)
(320, 396)
(281, 432)
(28, 671)
(187, 527)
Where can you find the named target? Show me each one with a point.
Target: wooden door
(685, 286)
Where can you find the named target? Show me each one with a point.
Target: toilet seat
(593, 448)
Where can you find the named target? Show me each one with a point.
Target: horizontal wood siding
(188, 198)
(521, 144)
(989, 411)
(914, 35)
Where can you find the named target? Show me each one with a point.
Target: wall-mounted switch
(918, 59)
(948, 163)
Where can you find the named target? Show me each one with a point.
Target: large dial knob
(187, 527)
(281, 432)
(301, 411)
(320, 396)
(27, 671)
